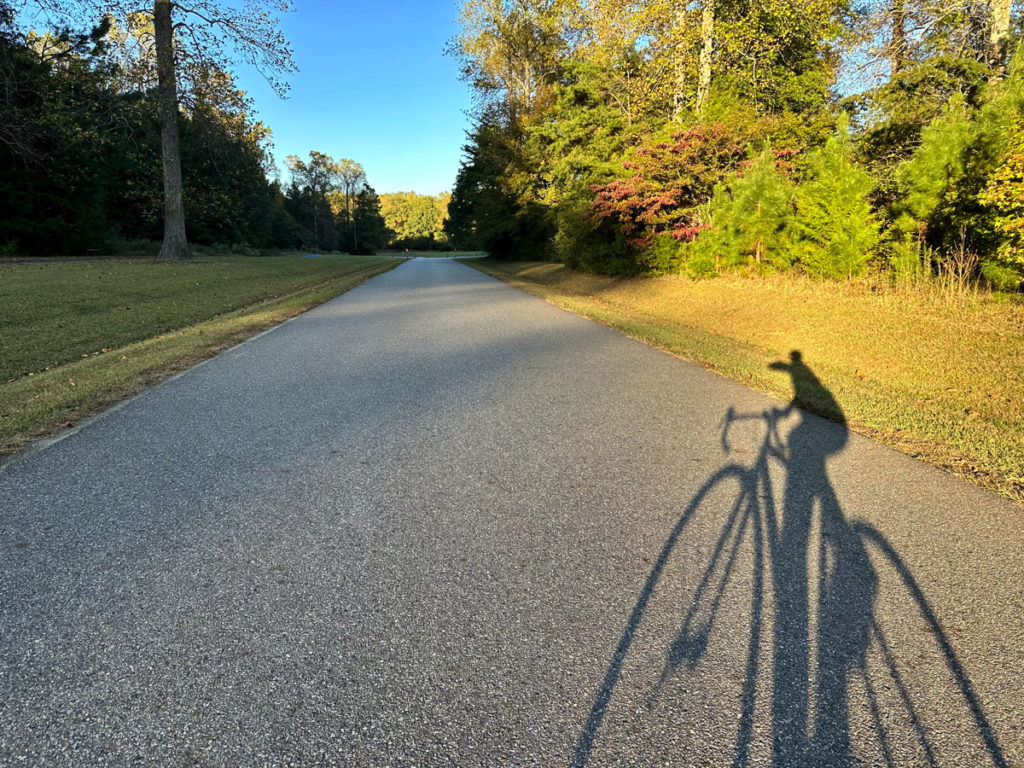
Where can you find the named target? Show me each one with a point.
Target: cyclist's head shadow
(811, 600)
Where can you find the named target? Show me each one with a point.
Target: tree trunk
(355, 228)
(175, 246)
(999, 32)
(707, 50)
(348, 220)
(679, 87)
(527, 87)
(898, 47)
(318, 213)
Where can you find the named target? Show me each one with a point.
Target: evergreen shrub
(835, 231)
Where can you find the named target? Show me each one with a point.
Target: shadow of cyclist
(823, 586)
(847, 584)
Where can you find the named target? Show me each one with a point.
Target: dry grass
(933, 371)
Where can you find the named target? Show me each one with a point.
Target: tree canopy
(823, 136)
(82, 149)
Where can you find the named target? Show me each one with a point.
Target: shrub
(583, 241)
(834, 228)
(665, 254)
(747, 219)
(669, 179)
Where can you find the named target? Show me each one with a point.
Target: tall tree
(351, 181)
(998, 36)
(366, 212)
(510, 49)
(175, 245)
(898, 44)
(319, 178)
(188, 37)
(707, 52)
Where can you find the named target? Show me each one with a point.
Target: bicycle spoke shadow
(797, 601)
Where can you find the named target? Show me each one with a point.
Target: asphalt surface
(438, 522)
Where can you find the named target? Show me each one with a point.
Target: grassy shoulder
(939, 379)
(76, 337)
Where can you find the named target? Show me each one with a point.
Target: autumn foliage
(667, 181)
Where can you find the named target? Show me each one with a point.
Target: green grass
(53, 314)
(77, 336)
(938, 377)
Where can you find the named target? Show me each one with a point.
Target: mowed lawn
(77, 336)
(940, 377)
(55, 313)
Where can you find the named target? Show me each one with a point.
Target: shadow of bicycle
(787, 634)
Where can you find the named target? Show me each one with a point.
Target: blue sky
(375, 86)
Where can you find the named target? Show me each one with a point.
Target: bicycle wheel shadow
(805, 611)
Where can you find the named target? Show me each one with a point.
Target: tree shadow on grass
(817, 567)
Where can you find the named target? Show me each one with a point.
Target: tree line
(824, 136)
(89, 156)
(338, 209)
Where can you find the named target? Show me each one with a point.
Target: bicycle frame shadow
(821, 573)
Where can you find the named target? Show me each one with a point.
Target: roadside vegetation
(437, 254)
(77, 336)
(825, 138)
(733, 181)
(936, 372)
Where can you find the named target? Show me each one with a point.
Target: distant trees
(369, 229)
(415, 221)
(335, 207)
(312, 182)
(351, 181)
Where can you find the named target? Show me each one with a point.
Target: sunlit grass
(75, 337)
(939, 377)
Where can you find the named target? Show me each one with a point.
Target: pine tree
(834, 225)
(748, 218)
(931, 175)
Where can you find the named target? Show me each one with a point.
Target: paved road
(438, 522)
